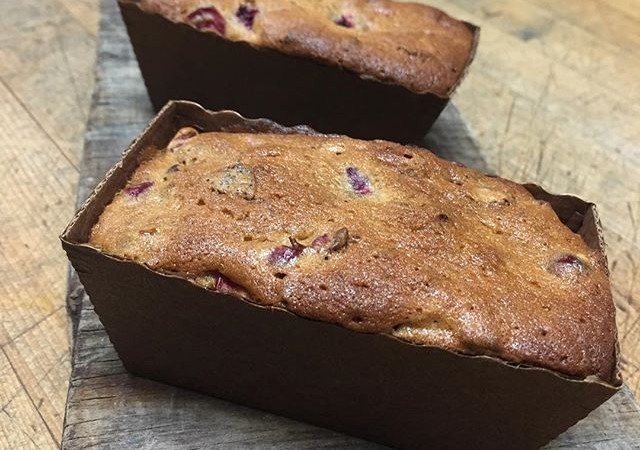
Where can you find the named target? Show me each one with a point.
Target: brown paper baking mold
(180, 62)
(370, 385)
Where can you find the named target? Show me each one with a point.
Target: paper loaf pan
(180, 62)
(369, 385)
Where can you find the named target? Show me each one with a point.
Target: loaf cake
(408, 44)
(364, 68)
(373, 236)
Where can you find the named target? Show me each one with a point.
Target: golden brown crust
(409, 44)
(374, 236)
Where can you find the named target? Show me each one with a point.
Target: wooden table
(551, 98)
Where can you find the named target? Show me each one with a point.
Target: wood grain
(551, 98)
(46, 76)
(109, 408)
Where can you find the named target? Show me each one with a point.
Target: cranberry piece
(182, 136)
(247, 15)
(345, 20)
(320, 242)
(359, 182)
(284, 254)
(339, 240)
(567, 265)
(174, 168)
(138, 189)
(226, 286)
(208, 19)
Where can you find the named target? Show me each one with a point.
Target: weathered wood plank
(46, 77)
(21, 427)
(109, 408)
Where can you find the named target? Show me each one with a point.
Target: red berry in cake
(247, 15)
(208, 19)
(324, 242)
(226, 286)
(174, 168)
(182, 136)
(321, 242)
(284, 254)
(567, 265)
(138, 189)
(345, 20)
(359, 182)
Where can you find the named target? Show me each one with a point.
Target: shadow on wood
(449, 138)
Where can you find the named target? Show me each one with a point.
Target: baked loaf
(408, 44)
(374, 236)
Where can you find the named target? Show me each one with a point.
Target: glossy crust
(374, 236)
(409, 44)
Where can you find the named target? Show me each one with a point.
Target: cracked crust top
(409, 44)
(374, 236)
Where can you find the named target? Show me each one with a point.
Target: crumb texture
(373, 236)
(409, 44)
